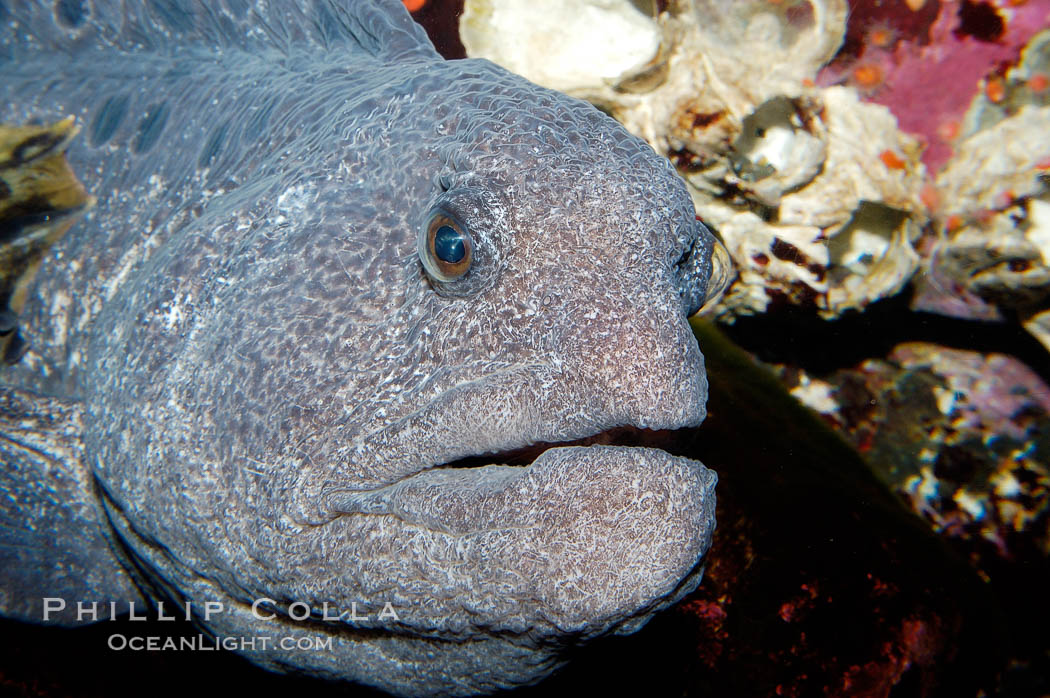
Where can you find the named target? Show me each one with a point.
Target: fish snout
(644, 371)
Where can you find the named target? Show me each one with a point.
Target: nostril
(703, 271)
(722, 274)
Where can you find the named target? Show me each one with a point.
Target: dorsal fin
(383, 28)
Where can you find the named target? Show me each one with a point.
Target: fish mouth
(581, 537)
(538, 526)
(669, 440)
(481, 439)
(619, 453)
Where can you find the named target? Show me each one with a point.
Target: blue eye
(449, 244)
(445, 247)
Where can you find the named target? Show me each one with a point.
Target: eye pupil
(448, 245)
(445, 247)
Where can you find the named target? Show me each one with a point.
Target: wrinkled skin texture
(268, 379)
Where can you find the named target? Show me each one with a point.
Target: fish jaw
(500, 568)
(584, 541)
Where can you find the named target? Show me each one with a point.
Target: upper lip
(617, 436)
(359, 500)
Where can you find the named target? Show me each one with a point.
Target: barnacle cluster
(814, 192)
(995, 196)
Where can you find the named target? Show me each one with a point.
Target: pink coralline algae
(927, 64)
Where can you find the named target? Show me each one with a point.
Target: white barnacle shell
(568, 46)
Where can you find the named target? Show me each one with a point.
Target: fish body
(250, 384)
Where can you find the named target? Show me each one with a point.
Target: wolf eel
(332, 283)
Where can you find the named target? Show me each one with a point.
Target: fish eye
(445, 247)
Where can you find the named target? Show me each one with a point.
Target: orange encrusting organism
(891, 160)
(882, 36)
(995, 90)
(867, 76)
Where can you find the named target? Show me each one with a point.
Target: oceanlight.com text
(205, 643)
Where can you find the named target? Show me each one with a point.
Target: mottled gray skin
(239, 353)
